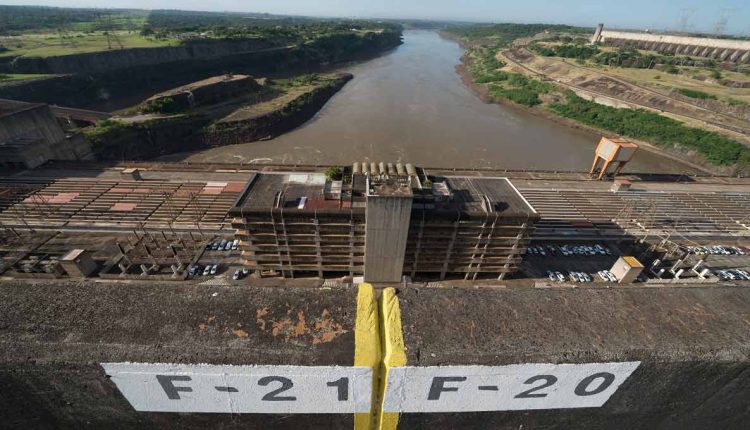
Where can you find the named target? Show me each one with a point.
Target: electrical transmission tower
(106, 23)
(721, 24)
(685, 15)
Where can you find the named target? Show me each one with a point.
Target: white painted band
(243, 389)
(503, 388)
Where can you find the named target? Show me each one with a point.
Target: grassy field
(51, 44)
(685, 80)
(5, 77)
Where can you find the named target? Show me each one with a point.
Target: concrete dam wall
(585, 358)
(720, 49)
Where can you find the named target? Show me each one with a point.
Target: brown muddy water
(410, 105)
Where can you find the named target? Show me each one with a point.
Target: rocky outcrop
(121, 140)
(274, 123)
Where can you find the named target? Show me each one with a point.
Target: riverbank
(495, 79)
(410, 105)
(261, 112)
(482, 91)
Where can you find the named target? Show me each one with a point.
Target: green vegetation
(660, 130)
(622, 57)
(522, 96)
(334, 173)
(16, 19)
(503, 34)
(736, 102)
(44, 31)
(504, 85)
(48, 45)
(695, 94)
(566, 51)
(104, 128)
(637, 124)
(4, 77)
(162, 105)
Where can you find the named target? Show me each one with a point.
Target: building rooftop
(390, 187)
(300, 191)
(306, 191)
(475, 195)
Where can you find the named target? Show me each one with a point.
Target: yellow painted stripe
(394, 351)
(367, 347)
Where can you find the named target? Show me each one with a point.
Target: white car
(207, 270)
(214, 268)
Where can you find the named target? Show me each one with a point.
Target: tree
(334, 173)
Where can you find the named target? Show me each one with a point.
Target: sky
(693, 15)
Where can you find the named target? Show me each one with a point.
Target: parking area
(570, 262)
(221, 257)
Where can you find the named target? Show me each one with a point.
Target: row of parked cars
(198, 270)
(240, 273)
(718, 250)
(224, 245)
(605, 276)
(733, 275)
(568, 250)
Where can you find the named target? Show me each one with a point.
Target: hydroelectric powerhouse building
(383, 224)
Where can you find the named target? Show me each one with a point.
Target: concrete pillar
(387, 219)
(745, 58)
(696, 50)
(725, 54)
(597, 34)
(735, 55)
(705, 51)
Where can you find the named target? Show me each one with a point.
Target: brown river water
(410, 105)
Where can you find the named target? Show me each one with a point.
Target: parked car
(234, 244)
(237, 274)
(214, 268)
(560, 276)
(207, 270)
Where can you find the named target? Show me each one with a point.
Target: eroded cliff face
(118, 140)
(126, 58)
(94, 82)
(276, 122)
